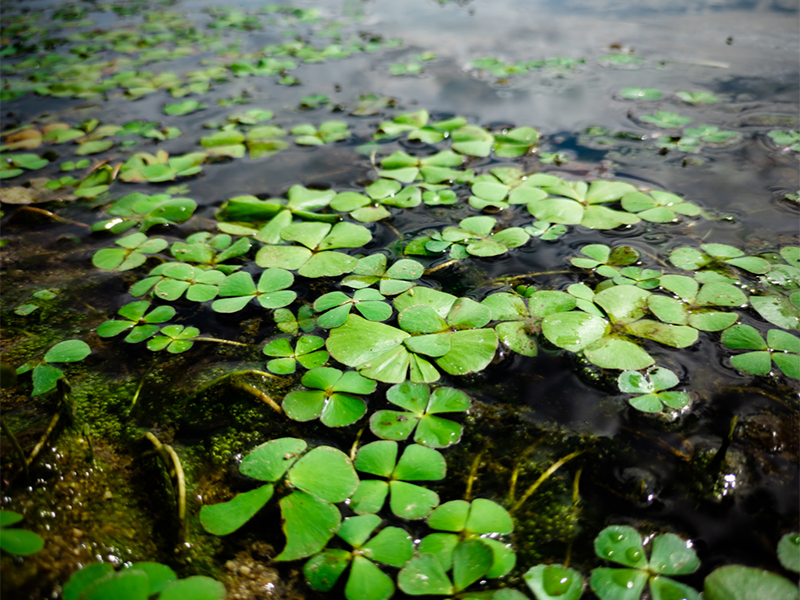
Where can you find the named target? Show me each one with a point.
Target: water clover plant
(316, 255)
(139, 581)
(545, 231)
(466, 543)
(658, 206)
(635, 93)
(789, 139)
(131, 253)
(320, 477)
(554, 582)
(330, 401)
(578, 203)
(406, 500)
(697, 97)
(604, 260)
(433, 324)
(420, 415)
(211, 250)
(391, 281)
(287, 322)
(169, 281)
(146, 211)
(737, 582)
(142, 324)
(174, 338)
(435, 168)
(789, 551)
(17, 541)
(302, 203)
(417, 126)
(45, 376)
(626, 307)
(781, 347)
(521, 318)
(476, 237)
(390, 546)
(184, 108)
(335, 307)
(328, 132)
(238, 289)
(145, 167)
(306, 352)
(670, 555)
(651, 385)
(506, 186)
(12, 165)
(693, 259)
(666, 119)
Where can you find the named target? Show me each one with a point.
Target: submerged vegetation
(392, 345)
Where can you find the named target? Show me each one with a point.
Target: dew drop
(622, 578)
(633, 555)
(556, 580)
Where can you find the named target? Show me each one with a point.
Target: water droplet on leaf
(556, 580)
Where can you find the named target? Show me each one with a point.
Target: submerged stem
(221, 378)
(38, 448)
(251, 389)
(575, 499)
(17, 448)
(524, 275)
(444, 265)
(51, 215)
(512, 487)
(473, 473)
(139, 389)
(219, 341)
(174, 468)
(354, 447)
(553, 468)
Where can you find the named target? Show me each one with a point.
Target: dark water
(652, 473)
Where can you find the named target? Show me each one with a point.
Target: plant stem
(473, 474)
(553, 468)
(139, 389)
(174, 468)
(219, 341)
(354, 447)
(512, 487)
(575, 499)
(53, 216)
(251, 389)
(214, 382)
(45, 436)
(444, 265)
(524, 275)
(17, 448)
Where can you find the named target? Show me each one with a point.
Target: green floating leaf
(424, 575)
(736, 582)
(197, 587)
(325, 472)
(309, 523)
(789, 551)
(621, 544)
(554, 582)
(69, 351)
(618, 584)
(227, 517)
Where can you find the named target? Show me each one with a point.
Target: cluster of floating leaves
(416, 333)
